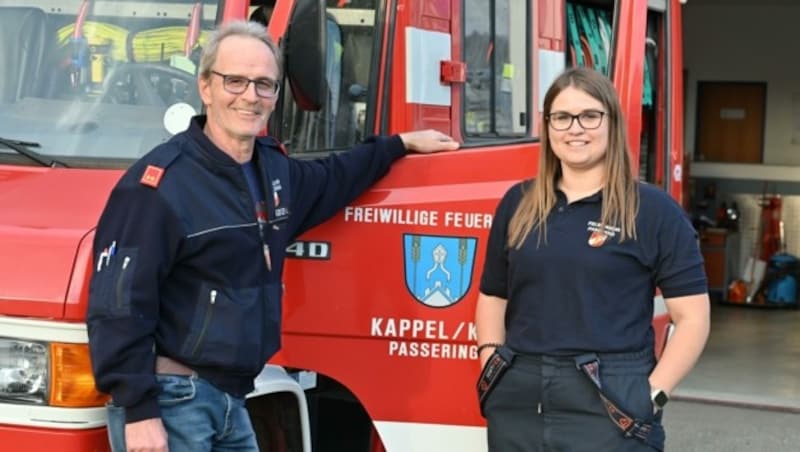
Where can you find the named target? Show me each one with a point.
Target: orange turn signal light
(71, 379)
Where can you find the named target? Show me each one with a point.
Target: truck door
(379, 301)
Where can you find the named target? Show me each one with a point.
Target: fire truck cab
(379, 345)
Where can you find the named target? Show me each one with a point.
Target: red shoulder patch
(152, 176)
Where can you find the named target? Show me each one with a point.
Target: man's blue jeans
(197, 416)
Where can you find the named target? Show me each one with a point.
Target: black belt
(652, 434)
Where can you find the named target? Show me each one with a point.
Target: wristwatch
(659, 397)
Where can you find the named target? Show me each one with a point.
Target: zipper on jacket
(212, 299)
(121, 279)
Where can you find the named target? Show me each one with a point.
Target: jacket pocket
(230, 328)
(110, 288)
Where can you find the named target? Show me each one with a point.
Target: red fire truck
(379, 342)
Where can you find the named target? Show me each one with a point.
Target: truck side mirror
(305, 54)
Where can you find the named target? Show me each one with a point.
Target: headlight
(23, 371)
(54, 373)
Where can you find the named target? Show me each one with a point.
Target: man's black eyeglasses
(588, 119)
(237, 84)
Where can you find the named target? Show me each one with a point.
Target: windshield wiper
(24, 148)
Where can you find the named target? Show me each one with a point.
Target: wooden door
(730, 122)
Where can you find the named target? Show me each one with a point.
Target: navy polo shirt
(566, 296)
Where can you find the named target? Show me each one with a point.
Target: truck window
(93, 82)
(497, 58)
(650, 169)
(351, 47)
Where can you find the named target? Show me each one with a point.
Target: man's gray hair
(236, 28)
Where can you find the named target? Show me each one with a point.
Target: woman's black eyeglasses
(588, 119)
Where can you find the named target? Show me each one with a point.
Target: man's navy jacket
(179, 260)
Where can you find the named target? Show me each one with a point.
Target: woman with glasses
(572, 265)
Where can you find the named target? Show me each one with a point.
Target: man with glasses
(185, 301)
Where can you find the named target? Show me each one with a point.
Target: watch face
(660, 399)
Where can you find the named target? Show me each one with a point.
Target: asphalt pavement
(707, 427)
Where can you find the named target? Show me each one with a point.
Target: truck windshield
(99, 81)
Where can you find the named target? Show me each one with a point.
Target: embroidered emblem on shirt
(152, 176)
(597, 239)
(600, 233)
